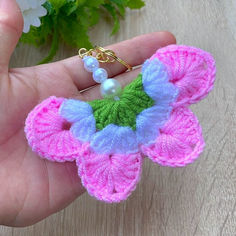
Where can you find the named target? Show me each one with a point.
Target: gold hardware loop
(103, 55)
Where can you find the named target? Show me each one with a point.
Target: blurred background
(197, 200)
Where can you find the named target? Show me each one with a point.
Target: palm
(33, 188)
(32, 183)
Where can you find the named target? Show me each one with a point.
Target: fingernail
(4, 4)
(11, 13)
(7, 5)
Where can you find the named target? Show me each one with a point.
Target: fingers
(11, 24)
(134, 51)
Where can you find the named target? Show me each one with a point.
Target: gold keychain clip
(103, 55)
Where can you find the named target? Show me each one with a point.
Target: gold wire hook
(103, 55)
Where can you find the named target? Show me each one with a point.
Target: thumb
(11, 24)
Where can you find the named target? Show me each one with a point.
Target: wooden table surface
(197, 200)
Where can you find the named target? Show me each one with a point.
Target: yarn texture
(129, 122)
(124, 111)
(48, 134)
(80, 115)
(108, 139)
(110, 178)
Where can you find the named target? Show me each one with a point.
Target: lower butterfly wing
(180, 140)
(110, 178)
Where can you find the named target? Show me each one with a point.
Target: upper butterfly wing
(48, 132)
(190, 69)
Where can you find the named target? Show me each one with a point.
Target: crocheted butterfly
(109, 138)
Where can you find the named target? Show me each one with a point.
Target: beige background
(199, 199)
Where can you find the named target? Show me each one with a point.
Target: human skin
(33, 188)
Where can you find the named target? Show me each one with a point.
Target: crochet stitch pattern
(108, 139)
(124, 111)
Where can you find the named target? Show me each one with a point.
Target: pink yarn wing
(180, 141)
(110, 178)
(48, 134)
(191, 69)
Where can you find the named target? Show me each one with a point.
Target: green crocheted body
(124, 111)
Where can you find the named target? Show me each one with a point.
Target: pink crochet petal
(110, 178)
(180, 141)
(48, 134)
(192, 70)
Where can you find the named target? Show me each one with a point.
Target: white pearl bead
(99, 75)
(110, 88)
(90, 63)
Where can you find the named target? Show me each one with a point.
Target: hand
(33, 188)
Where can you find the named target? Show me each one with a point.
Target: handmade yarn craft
(150, 117)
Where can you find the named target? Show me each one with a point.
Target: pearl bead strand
(110, 88)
